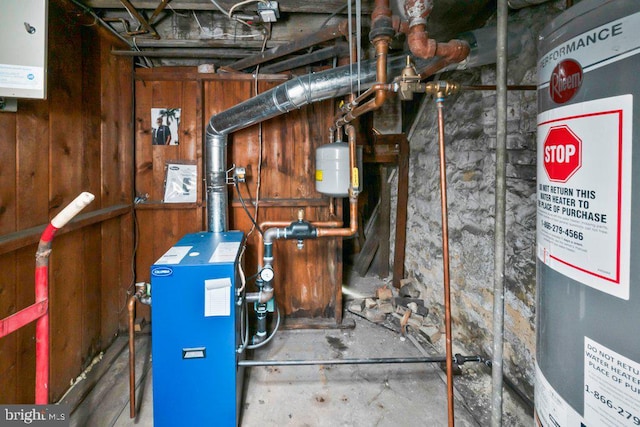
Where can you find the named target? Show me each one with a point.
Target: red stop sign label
(562, 153)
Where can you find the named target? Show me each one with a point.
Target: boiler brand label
(611, 387)
(584, 192)
(566, 79)
(161, 272)
(562, 67)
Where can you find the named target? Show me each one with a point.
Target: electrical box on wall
(23, 48)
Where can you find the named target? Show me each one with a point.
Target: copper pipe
(131, 307)
(382, 48)
(419, 42)
(353, 193)
(343, 232)
(269, 224)
(445, 256)
(431, 69)
(453, 50)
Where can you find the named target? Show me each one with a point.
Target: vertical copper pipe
(445, 256)
(131, 306)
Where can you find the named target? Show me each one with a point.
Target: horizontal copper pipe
(269, 224)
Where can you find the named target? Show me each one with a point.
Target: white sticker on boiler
(217, 297)
(225, 252)
(584, 192)
(611, 387)
(174, 255)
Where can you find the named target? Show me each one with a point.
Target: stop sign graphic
(562, 153)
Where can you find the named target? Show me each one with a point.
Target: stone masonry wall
(470, 134)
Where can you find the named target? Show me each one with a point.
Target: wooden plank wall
(308, 280)
(79, 139)
(160, 225)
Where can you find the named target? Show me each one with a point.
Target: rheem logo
(562, 153)
(565, 82)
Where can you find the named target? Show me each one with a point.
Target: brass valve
(442, 88)
(409, 83)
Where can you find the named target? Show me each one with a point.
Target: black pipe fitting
(460, 360)
(300, 230)
(261, 317)
(381, 27)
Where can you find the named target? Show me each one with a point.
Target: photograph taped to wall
(181, 183)
(165, 123)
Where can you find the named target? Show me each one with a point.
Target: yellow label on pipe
(318, 175)
(355, 180)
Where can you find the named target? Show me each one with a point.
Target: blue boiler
(196, 332)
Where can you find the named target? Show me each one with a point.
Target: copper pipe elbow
(453, 51)
(420, 44)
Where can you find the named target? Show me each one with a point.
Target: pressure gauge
(266, 274)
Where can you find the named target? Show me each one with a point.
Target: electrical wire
(244, 206)
(228, 15)
(197, 21)
(358, 38)
(273, 333)
(256, 211)
(242, 3)
(350, 47)
(326, 21)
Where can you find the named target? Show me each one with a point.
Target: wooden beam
(299, 6)
(401, 212)
(19, 239)
(385, 224)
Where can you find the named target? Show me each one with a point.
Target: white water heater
(588, 205)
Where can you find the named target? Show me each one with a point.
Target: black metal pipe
(366, 361)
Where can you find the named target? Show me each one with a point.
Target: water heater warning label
(611, 387)
(584, 192)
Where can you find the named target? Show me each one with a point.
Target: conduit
(141, 296)
(500, 206)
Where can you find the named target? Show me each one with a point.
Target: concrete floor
(346, 395)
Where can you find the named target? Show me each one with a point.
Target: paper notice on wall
(611, 387)
(217, 297)
(584, 192)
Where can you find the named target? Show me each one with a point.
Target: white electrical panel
(23, 48)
